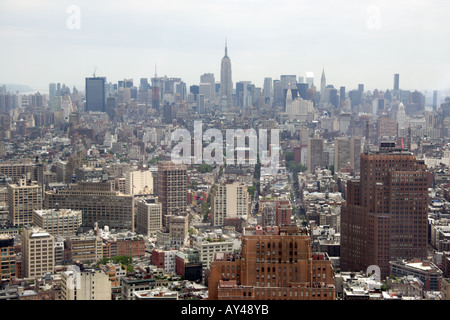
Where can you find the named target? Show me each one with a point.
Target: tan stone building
(87, 284)
(38, 255)
(22, 199)
(229, 200)
(149, 216)
(63, 222)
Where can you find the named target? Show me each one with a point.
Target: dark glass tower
(96, 94)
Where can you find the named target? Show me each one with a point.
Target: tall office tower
(275, 264)
(229, 200)
(7, 259)
(201, 108)
(342, 97)
(139, 182)
(85, 284)
(205, 90)
(38, 252)
(22, 199)
(144, 88)
(310, 79)
(298, 108)
(51, 91)
(149, 216)
(98, 202)
(209, 78)
(347, 152)
(63, 222)
(386, 216)
(436, 100)
(96, 94)
(156, 92)
(267, 90)
(226, 82)
(396, 82)
(323, 86)
(172, 189)
(315, 154)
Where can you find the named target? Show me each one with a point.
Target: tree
(203, 168)
(251, 191)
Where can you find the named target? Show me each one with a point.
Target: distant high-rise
(396, 82)
(386, 216)
(315, 154)
(51, 90)
(310, 79)
(226, 82)
(346, 153)
(342, 96)
(96, 94)
(436, 100)
(323, 85)
(267, 90)
(208, 78)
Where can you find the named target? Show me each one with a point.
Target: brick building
(275, 264)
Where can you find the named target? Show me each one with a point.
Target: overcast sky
(355, 41)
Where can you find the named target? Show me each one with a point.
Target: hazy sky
(356, 41)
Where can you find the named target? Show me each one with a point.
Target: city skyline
(356, 42)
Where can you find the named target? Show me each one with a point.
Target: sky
(354, 41)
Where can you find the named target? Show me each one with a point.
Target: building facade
(38, 255)
(386, 216)
(275, 264)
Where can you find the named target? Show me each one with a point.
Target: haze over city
(240, 152)
(354, 41)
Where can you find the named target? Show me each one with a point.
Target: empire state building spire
(226, 83)
(226, 49)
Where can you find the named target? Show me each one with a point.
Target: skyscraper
(396, 82)
(226, 82)
(323, 86)
(96, 94)
(315, 154)
(346, 153)
(386, 216)
(208, 78)
(172, 189)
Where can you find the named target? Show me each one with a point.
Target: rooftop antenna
(409, 138)
(95, 69)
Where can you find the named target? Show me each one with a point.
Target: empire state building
(226, 84)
